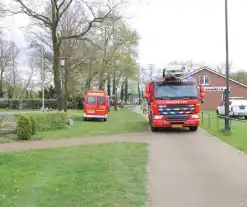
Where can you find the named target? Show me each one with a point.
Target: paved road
(186, 169)
(195, 169)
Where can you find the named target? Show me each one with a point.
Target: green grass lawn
(238, 135)
(119, 122)
(84, 176)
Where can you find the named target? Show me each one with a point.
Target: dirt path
(27, 145)
(185, 169)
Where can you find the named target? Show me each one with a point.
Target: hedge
(47, 121)
(30, 104)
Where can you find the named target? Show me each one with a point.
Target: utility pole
(227, 120)
(43, 78)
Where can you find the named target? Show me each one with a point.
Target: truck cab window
(176, 91)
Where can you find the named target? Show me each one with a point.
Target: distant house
(215, 83)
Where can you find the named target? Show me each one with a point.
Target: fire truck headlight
(157, 117)
(194, 116)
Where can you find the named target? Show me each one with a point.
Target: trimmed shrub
(34, 124)
(47, 121)
(24, 127)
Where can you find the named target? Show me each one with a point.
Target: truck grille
(176, 109)
(176, 117)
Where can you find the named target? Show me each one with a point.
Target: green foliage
(24, 127)
(240, 76)
(34, 124)
(47, 121)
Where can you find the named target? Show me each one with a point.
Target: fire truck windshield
(188, 91)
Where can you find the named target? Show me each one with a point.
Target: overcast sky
(183, 30)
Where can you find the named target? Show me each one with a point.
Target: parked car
(237, 108)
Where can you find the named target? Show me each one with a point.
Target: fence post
(217, 122)
(209, 119)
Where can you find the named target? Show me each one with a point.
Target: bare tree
(50, 20)
(8, 54)
(28, 81)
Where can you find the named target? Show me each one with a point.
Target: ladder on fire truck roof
(176, 72)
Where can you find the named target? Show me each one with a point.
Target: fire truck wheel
(154, 129)
(193, 128)
(105, 119)
(85, 119)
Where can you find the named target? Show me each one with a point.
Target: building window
(204, 80)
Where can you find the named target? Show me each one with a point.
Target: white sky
(183, 30)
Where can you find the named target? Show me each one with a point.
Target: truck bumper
(95, 116)
(161, 123)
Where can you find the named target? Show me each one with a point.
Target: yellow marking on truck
(177, 126)
(96, 94)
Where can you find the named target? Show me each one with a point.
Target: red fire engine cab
(174, 102)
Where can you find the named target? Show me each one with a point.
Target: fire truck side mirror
(147, 96)
(202, 95)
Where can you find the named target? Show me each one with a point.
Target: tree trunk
(139, 91)
(122, 92)
(57, 81)
(109, 85)
(126, 90)
(1, 86)
(56, 60)
(101, 83)
(114, 90)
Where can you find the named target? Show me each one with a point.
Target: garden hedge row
(29, 104)
(29, 123)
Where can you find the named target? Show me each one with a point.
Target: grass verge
(119, 122)
(94, 176)
(215, 126)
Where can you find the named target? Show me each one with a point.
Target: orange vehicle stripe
(96, 94)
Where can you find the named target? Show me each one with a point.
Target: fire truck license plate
(177, 126)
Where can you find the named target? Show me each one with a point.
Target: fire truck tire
(85, 119)
(193, 128)
(105, 119)
(154, 129)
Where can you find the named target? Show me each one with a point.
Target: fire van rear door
(101, 105)
(90, 105)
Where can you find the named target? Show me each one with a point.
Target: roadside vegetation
(216, 126)
(93, 176)
(50, 125)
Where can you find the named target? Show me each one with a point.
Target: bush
(34, 124)
(24, 127)
(47, 121)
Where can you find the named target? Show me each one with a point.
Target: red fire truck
(96, 105)
(174, 102)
